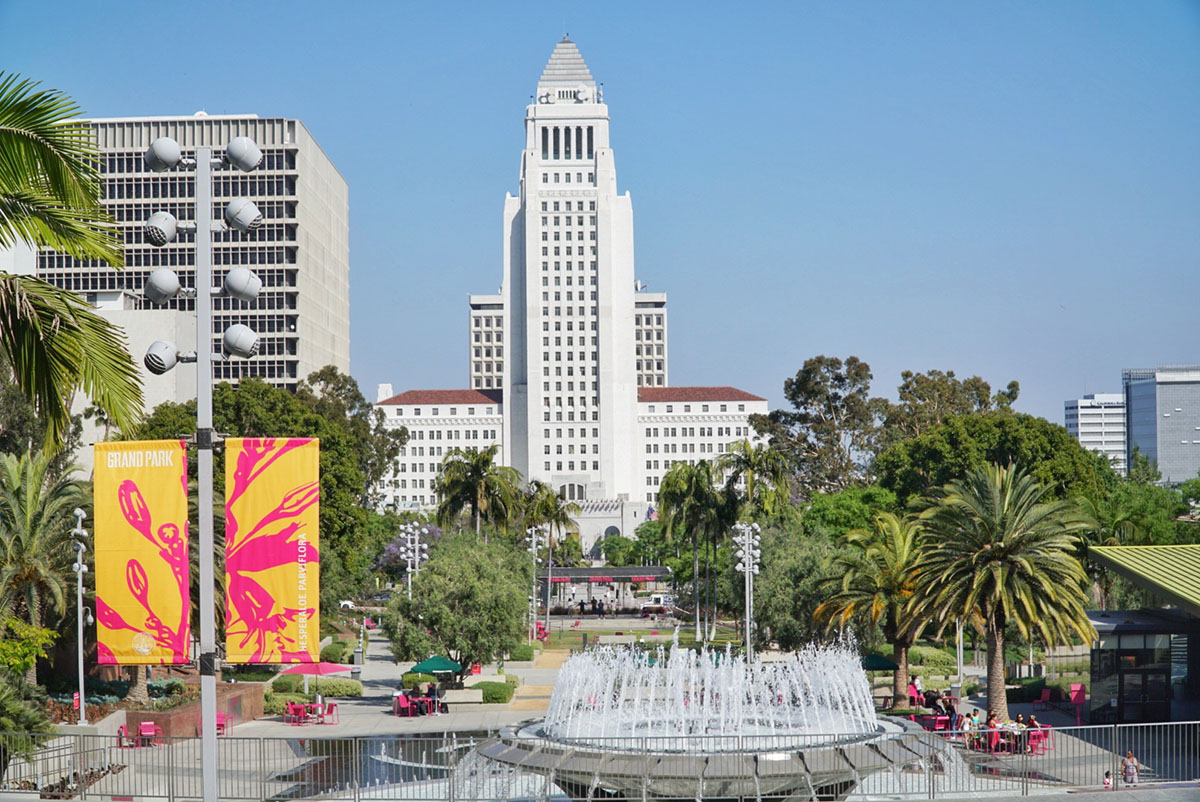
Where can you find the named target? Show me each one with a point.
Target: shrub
(261, 675)
(522, 652)
(496, 693)
(1028, 689)
(287, 683)
(337, 687)
(410, 681)
(275, 704)
(167, 686)
(931, 658)
(336, 651)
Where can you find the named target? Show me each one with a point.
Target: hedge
(167, 686)
(333, 687)
(275, 704)
(410, 681)
(336, 652)
(522, 652)
(287, 683)
(497, 693)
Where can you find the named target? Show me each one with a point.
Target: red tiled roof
(447, 397)
(653, 394)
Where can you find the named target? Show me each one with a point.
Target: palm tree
(472, 480)
(36, 518)
(877, 577)
(1106, 524)
(24, 724)
(549, 509)
(763, 471)
(689, 505)
(49, 196)
(997, 551)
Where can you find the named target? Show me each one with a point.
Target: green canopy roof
(1170, 572)
(436, 665)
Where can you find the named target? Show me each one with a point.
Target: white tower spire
(570, 381)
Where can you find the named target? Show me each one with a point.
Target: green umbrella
(436, 665)
(877, 662)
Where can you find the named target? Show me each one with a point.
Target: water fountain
(626, 724)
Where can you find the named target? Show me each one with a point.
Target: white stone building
(1097, 421)
(301, 252)
(568, 362)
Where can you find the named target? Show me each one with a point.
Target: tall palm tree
(49, 196)
(764, 473)
(1105, 524)
(471, 479)
(999, 552)
(36, 518)
(690, 506)
(877, 577)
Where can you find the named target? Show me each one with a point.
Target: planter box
(242, 700)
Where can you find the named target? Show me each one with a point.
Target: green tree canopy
(469, 603)
(472, 480)
(834, 514)
(965, 443)
(927, 400)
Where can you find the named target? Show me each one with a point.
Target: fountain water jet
(625, 724)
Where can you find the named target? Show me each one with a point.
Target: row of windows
(558, 466)
(579, 250)
(569, 235)
(558, 265)
(499, 349)
(570, 279)
(637, 334)
(184, 187)
(651, 320)
(650, 365)
(570, 387)
(558, 400)
(451, 434)
(565, 220)
(558, 311)
(488, 336)
(558, 297)
(703, 408)
(571, 449)
(481, 384)
(651, 350)
(647, 381)
(489, 367)
(135, 280)
(557, 141)
(558, 416)
(488, 321)
(132, 162)
(686, 431)
(570, 356)
(567, 207)
(566, 178)
(583, 432)
(416, 413)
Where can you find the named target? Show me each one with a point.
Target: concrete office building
(1162, 418)
(1097, 421)
(301, 252)
(568, 362)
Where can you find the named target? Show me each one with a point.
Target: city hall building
(567, 368)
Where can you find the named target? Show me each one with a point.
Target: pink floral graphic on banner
(267, 611)
(155, 638)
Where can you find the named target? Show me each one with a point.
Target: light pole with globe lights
(238, 340)
(413, 551)
(747, 539)
(533, 541)
(82, 614)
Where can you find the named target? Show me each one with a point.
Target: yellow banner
(272, 525)
(142, 601)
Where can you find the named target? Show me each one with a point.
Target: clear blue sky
(1010, 189)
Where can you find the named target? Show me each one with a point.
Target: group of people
(1129, 771)
(988, 733)
(428, 702)
(597, 607)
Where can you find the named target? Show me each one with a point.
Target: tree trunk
(138, 692)
(696, 586)
(997, 702)
(900, 678)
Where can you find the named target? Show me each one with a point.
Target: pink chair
(150, 733)
(1043, 700)
(224, 721)
(330, 715)
(401, 706)
(296, 714)
(1040, 740)
(914, 698)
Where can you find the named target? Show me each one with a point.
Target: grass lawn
(574, 640)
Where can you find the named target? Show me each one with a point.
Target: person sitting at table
(1022, 738)
(432, 694)
(1034, 724)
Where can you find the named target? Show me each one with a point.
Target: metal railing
(473, 767)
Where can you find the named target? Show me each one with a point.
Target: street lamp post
(82, 615)
(238, 340)
(533, 541)
(413, 551)
(749, 555)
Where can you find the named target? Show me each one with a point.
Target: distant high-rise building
(301, 252)
(1097, 421)
(1162, 418)
(568, 362)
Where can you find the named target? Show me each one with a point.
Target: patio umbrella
(877, 662)
(315, 669)
(436, 665)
